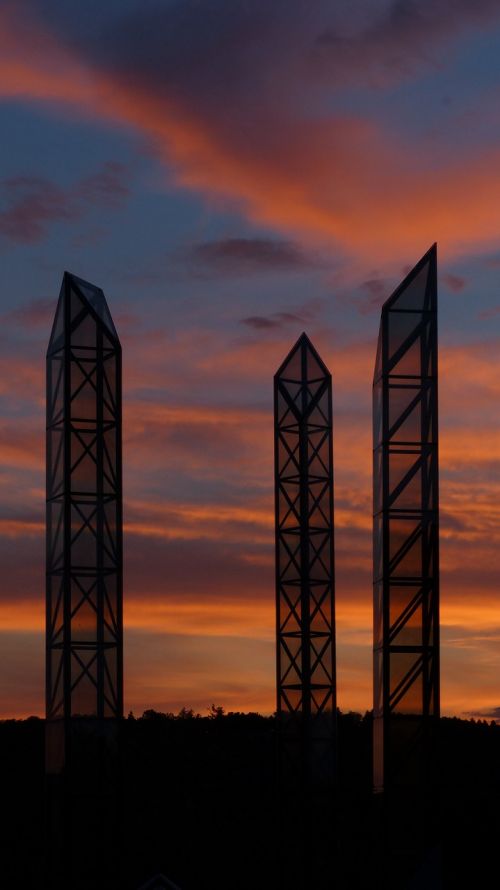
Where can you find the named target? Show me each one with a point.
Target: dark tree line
(199, 802)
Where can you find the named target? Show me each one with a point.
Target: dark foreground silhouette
(199, 803)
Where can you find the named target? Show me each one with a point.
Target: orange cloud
(339, 179)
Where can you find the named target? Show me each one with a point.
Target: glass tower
(84, 674)
(405, 529)
(305, 610)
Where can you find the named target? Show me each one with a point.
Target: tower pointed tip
(94, 297)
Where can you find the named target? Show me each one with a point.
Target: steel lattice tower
(406, 538)
(84, 692)
(305, 602)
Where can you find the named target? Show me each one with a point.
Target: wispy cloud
(243, 256)
(271, 322)
(302, 315)
(29, 205)
(455, 283)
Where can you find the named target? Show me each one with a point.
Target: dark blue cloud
(30, 204)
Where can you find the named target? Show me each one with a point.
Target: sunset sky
(232, 173)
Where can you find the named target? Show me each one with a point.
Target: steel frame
(306, 687)
(406, 531)
(84, 508)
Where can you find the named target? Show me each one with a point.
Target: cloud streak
(244, 256)
(334, 177)
(31, 203)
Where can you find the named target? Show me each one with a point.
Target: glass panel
(110, 382)
(76, 304)
(317, 441)
(320, 620)
(290, 668)
(56, 682)
(84, 623)
(291, 545)
(85, 334)
(84, 474)
(378, 550)
(400, 399)
(410, 496)
(429, 356)
(55, 462)
(83, 541)
(84, 695)
(319, 569)
(377, 480)
(83, 392)
(406, 558)
(289, 512)
(283, 409)
(402, 666)
(110, 606)
(97, 300)
(288, 452)
(110, 458)
(401, 465)
(401, 326)
(55, 536)
(57, 335)
(321, 727)
(55, 593)
(110, 525)
(292, 593)
(289, 620)
(377, 413)
(410, 565)
(317, 467)
(110, 673)
(378, 686)
(410, 363)
(429, 476)
(378, 360)
(314, 369)
(406, 628)
(294, 697)
(83, 588)
(313, 388)
(319, 415)
(410, 430)
(293, 367)
(378, 612)
(55, 388)
(319, 505)
(294, 391)
(413, 295)
(320, 675)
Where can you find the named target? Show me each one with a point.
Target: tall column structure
(305, 608)
(406, 535)
(84, 637)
